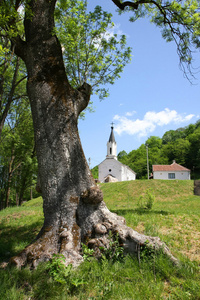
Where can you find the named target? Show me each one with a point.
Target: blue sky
(151, 97)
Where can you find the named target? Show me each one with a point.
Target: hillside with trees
(182, 145)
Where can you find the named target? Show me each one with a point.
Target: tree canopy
(179, 21)
(91, 52)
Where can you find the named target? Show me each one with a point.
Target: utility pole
(147, 161)
(89, 161)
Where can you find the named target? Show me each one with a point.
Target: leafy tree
(73, 208)
(173, 135)
(178, 20)
(190, 129)
(94, 172)
(193, 159)
(181, 150)
(136, 160)
(12, 79)
(197, 125)
(17, 156)
(177, 150)
(154, 142)
(121, 154)
(90, 52)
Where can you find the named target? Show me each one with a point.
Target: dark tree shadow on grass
(140, 211)
(11, 238)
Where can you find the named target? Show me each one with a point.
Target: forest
(181, 145)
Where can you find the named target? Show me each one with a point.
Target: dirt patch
(140, 227)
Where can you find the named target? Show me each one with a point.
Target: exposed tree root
(132, 241)
(91, 225)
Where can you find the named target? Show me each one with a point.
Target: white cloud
(115, 30)
(130, 113)
(189, 117)
(149, 123)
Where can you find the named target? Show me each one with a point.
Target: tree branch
(135, 5)
(83, 99)
(10, 97)
(122, 5)
(19, 47)
(181, 26)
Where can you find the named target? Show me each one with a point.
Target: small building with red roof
(173, 171)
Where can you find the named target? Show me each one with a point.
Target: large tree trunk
(74, 210)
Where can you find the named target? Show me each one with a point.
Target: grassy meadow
(174, 217)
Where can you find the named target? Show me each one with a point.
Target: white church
(111, 170)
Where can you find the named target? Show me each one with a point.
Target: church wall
(127, 174)
(110, 167)
(116, 169)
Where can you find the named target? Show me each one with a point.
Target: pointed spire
(112, 145)
(112, 137)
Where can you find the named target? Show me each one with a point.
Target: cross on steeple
(112, 124)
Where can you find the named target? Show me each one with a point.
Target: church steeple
(112, 137)
(112, 145)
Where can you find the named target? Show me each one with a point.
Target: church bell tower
(112, 145)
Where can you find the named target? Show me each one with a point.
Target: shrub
(114, 252)
(146, 201)
(57, 269)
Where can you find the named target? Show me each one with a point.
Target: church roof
(169, 168)
(112, 137)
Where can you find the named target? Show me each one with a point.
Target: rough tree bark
(74, 210)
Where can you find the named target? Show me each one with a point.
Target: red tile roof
(169, 168)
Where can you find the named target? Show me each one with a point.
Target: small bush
(146, 201)
(57, 269)
(114, 252)
(87, 253)
(63, 274)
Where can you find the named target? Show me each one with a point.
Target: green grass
(174, 217)
(19, 226)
